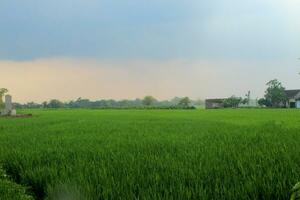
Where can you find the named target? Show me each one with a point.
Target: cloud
(68, 78)
(143, 29)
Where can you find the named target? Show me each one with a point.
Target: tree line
(148, 102)
(275, 97)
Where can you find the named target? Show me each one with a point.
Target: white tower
(8, 110)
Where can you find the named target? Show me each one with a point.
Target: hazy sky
(131, 48)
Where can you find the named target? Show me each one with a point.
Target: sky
(102, 49)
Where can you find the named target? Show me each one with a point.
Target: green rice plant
(10, 190)
(151, 154)
(296, 192)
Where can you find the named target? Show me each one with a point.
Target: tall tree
(54, 103)
(45, 104)
(185, 102)
(149, 100)
(275, 94)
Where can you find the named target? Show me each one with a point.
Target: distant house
(293, 98)
(214, 103)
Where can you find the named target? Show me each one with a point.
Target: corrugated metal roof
(215, 100)
(291, 93)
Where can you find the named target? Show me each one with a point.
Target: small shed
(293, 98)
(214, 103)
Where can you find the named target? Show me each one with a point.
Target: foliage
(154, 154)
(232, 102)
(275, 94)
(185, 102)
(3, 91)
(263, 102)
(54, 103)
(10, 190)
(45, 104)
(149, 100)
(107, 104)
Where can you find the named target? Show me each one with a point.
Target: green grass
(159, 154)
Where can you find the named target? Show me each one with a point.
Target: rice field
(150, 154)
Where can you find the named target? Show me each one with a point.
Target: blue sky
(146, 29)
(165, 31)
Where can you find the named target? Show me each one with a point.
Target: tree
(54, 103)
(149, 100)
(275, 94)
(45, 104)
(263, 102)
(3, 91)
(232, 102)
(184, 102)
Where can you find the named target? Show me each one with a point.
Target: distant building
(214, 103)
(293, 98)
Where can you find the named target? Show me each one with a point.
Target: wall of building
(213, 105)
(298, 104)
